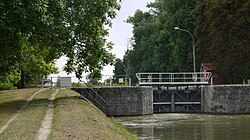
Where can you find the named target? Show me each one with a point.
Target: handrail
(95, 93)
(183, 78)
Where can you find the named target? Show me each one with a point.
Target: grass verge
(73, 118)
(28, 123)
(77, 119)
(11, 101)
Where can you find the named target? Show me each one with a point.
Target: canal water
(189, 127)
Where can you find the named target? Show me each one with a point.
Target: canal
(189, 127)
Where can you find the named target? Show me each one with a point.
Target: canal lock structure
(177, 100)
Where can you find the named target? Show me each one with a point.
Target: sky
(119, 34)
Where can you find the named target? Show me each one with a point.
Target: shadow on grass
(14, 106)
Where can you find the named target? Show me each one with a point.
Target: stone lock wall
(124, 101)
(226, 99)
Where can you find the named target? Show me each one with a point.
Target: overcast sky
(120, 32)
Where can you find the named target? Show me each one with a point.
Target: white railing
(185, 78)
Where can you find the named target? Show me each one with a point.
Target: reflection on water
(189, 127)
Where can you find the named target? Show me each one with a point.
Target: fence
(174, 78)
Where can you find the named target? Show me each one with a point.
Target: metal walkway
(186, 78)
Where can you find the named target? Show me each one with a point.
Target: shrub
(6, 86)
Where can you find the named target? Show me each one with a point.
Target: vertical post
(172, 102)
(51, 85)
(129, 81)
(211, 80)
(202, 99)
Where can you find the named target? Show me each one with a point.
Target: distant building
(64, 82)
(217, 77)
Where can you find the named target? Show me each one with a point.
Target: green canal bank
(22, 117)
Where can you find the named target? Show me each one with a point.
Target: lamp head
(176, 28)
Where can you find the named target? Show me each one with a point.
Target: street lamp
(193, 45)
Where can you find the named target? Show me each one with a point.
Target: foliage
(6, 86)
(76, 85)
(36, 33)
(156, 46)
(89, 50)
(93, 80)
(222, 29)
(120, 70)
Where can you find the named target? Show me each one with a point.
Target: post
(173, 101)
(193, 44)
(51, 82)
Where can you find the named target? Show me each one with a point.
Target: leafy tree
(93, 80)
(89, 51)
(156, 46)
(222, 29)
(35, 33)
(120, 70)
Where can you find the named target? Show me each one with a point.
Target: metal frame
(179, 101)
(185, 78)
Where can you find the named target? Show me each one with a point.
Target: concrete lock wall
(226, 99)
(125, 101)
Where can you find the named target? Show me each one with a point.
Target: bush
(6, 86)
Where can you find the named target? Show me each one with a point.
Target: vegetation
(11, 101)
(6, 86)
(77, 119)
(221, 29)
(120, 71)
(156, 46)
(223, 36)
(30, 118)
(33, 34)
(74, 118)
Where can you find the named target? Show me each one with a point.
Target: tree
(76, 29)
(120, 70)
(93, 80)
(222, 29)
(156, 46)
(89, 51)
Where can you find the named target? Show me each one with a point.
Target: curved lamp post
(193, 45)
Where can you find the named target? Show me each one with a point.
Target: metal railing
(100, 102)
(185, 78)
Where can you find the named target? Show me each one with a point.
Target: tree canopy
(221, 29)
(223, 36)
(157, 47)
(36, 33)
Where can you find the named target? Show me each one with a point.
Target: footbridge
(186, 78)
(176, 92)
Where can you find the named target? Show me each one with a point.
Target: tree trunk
(22, 82)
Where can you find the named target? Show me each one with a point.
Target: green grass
(73, 118)
(28, 123)
(11, 101)
(77, 119)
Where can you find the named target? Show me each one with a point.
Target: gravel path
(19, 111)
(47, 122)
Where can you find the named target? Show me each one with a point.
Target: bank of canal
(189, 126)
